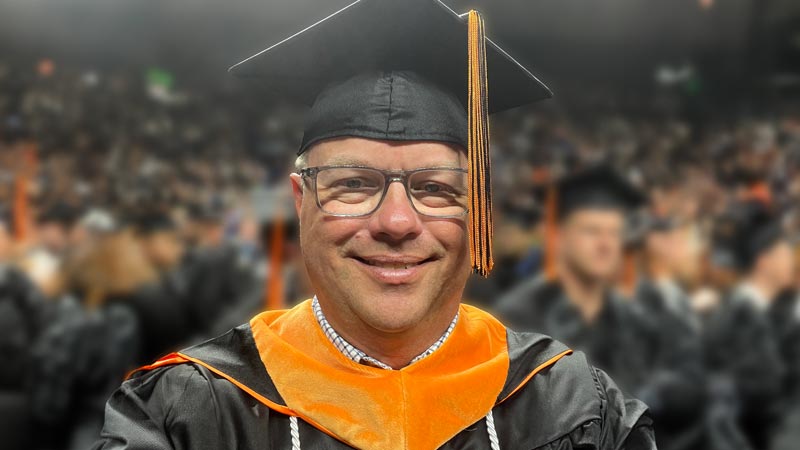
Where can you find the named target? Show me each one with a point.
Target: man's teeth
(392, 265)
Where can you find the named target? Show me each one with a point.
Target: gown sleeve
(626, 423)
(147, 411)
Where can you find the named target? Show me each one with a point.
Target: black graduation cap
(755, 230)
(206, 212)
(597, 187)
(402, 70)
(147, 223)
(60, 213)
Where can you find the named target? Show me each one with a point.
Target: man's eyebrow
(346, 161)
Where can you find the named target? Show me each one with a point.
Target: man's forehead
(386, 154)
(601, 215)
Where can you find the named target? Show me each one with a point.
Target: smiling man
(393, 195)
(403, 244)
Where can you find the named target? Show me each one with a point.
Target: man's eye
(432, 187)
(355, 183)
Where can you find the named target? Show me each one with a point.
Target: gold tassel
(480, 192)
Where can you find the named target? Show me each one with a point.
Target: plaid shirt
(357, 355)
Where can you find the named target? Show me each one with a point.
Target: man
(672, 260)
(384, 356)
(578, 303)
(742, 344)
(215, 283)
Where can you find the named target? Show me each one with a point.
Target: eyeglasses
(354, 191)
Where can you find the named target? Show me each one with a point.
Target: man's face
(164, 249)
(391, 270)
(53, 236)
(679, 250)
(590, 243)
(778, 263)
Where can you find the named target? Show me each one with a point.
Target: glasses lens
(439, 192)
(349, 190)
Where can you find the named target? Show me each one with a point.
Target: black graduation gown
(677, 371)
(741, 346)
(784, 316)
(21, 319)
(657, 361)
(569, 405)
(78, 359)
(161, 318)
(215, 283)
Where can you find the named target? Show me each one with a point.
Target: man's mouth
(393, 263)
(393, 269)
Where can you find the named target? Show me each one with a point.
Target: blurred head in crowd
(593, 207)
(159, 239)
(674, 251)
(54, 227)
(775, 266)
(114, 266)
(204, 226)
(764, 253)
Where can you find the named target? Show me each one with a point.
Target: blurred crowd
(139, 215)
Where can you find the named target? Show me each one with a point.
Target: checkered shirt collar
(359, 356)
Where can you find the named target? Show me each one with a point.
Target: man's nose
(396, 218)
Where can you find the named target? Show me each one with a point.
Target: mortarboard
(61, 214)
(147, 223)
(594, 187)
(410, 70)
(598, 187)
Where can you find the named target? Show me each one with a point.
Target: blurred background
(144, 202)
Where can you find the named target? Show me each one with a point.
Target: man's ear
(297, 191)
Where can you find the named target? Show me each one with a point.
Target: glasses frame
(390, 176)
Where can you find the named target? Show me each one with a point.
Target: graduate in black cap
(576, 301)
(393, 195)
(588, 212)
(742, 343)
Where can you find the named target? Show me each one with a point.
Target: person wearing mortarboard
(671, 261)
(587, 213)
(394, 206)
(214, 281)
(576, 301)
(741, 342)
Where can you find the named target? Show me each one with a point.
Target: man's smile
(393, 269)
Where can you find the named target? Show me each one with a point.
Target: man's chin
(392, 310)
